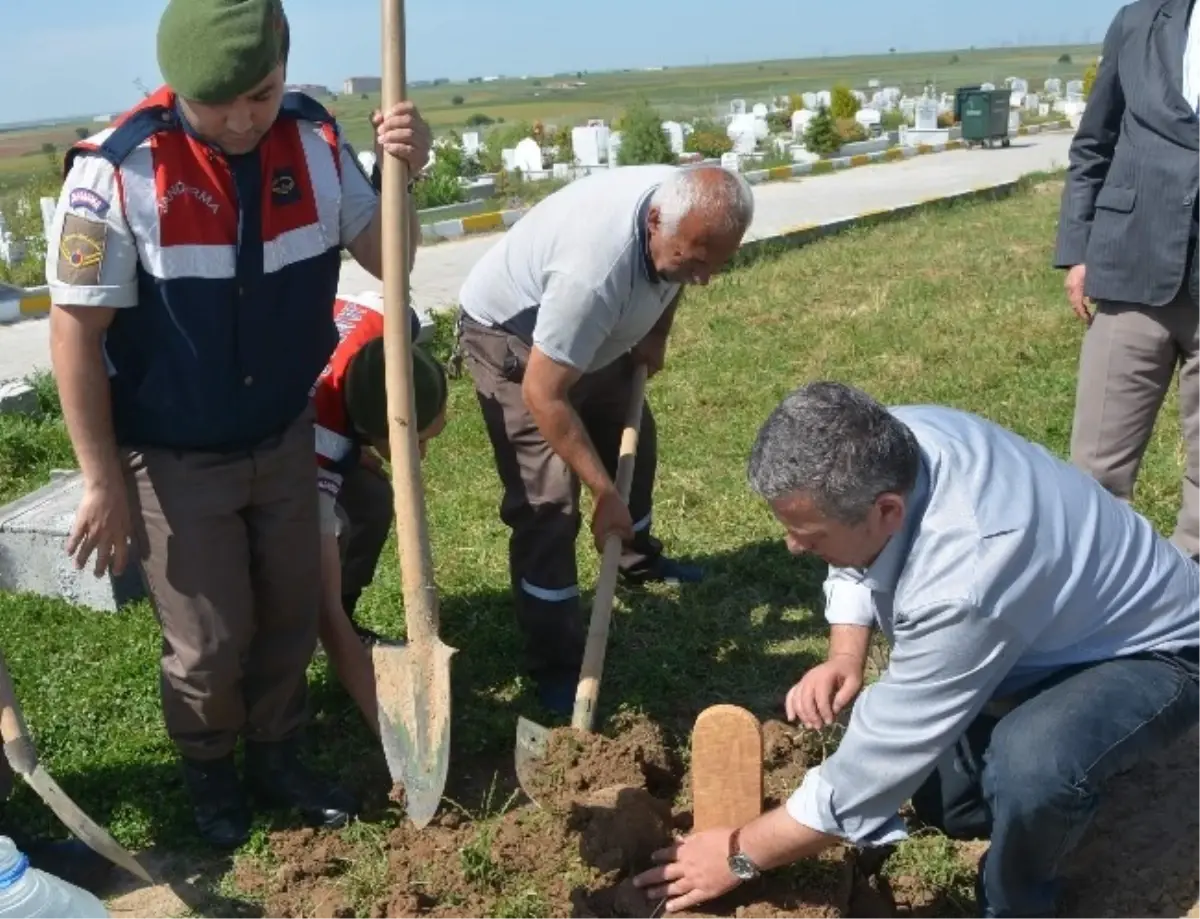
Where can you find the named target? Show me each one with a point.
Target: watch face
(742, 868)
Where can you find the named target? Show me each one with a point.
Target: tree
(821, 136)
(1064, 58)
(1089, 79)
(643, 139)
(843, 103)
(953, 59)
(81, 133)
(478, 120)
(708, 139)
(564, 145)
(796, 100)
(456, 100)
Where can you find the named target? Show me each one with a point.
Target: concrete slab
(33, 558)
(17, 398)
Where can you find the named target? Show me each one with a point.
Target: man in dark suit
(1128, 235)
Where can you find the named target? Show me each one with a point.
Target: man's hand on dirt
(403, 133)
(610, 517)
(651, 351)
(824, 691)
(101, 525)
(693, 871)
(1074, 287)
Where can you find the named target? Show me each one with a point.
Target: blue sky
(69, 57)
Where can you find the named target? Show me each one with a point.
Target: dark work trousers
(229, 546)
(365, 510)
(1030, 779)
(540, 502)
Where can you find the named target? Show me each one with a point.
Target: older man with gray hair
(554, 319)
(1044, 638)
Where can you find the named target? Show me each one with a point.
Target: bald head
(697, 220)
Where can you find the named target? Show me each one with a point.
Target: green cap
(212, 51)
(366, 389)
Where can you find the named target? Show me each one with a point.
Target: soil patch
(608, 802)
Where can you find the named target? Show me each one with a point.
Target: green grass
(954, 306)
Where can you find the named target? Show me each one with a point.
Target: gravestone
(810, 100)
(908, 107)
(48, 207)
(508, 158)
(528, 157)
(737, 107)
(1075, 87)
(1032, 102)
(730, 161)
(590, 144)
(825, 98)
(868, 117)
(1019, 84)
(1053, 87)
(470, 143)
(674, 132)
(1043, 109)
(872, 84)
(614, 149)
(926, 115)
(800, 120)
(759, 110)
(1014, 121)
(987, 87)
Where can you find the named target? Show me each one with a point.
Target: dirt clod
(621, 827)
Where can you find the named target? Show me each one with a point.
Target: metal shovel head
(530, 751)
(412, 686)
(87, 830)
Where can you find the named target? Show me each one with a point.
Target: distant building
(309, 89)
(362, 85)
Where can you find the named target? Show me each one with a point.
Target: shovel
(23, 757)
(532, 738)
(412, 681)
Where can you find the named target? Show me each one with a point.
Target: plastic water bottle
(28, 892)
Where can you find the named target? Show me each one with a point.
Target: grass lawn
(955, 306)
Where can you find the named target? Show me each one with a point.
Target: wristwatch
(739, 863)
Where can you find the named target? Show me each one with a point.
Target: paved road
(440, 269)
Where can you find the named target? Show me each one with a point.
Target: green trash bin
(985, 117)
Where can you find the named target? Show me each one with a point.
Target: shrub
(821, 136)
(643, 139)
(564, 145)
(843, 103)
(437, 189)
(779, 122)
(457, 100)
(708, 139)
(479, 120)
(1064, 58)
(499, 139)
(1089, 79)
(850, 131)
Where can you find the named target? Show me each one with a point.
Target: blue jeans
(1030, 780)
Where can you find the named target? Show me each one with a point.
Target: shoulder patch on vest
(81, 248)
(304, 108)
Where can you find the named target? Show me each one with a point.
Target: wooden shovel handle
(17, 744)
(588, 691)
(412, 532)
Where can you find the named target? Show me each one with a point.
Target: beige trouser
(1130, 353)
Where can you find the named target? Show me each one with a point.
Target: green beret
(366, 389)
(212, 51)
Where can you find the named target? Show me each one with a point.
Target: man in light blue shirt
(1044, 638)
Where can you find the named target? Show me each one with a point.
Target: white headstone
(674, 132)
(1014, 121)
(825, 98)
(730, 161)
(1021, 85)
(528, 156)
(926, 115)
(810, 100)
(561, 170)
(614, 148)
(872, 84)
(908, 107)
(987, 86)
(48, 207)
(1032, 102)
(759, 110)
(800, 120)
(737, 107)
(508, 159)
(1053, 87)
(1043, 109)
(590, 144)
(868, 117)
(1075, 86)
(470, 143)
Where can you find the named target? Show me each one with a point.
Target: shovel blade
(529, 753)
(412, 686)
(87, 830)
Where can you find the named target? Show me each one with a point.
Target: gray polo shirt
(572, 275)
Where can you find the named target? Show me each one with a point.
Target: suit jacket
(1129, 206)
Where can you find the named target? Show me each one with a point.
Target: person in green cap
(193, 265)
(355, 496)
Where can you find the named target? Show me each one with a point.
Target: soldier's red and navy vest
(238, 262)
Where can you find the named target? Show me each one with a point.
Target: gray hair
(724, 194)
(838, 446)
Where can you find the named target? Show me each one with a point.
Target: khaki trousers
(229, 546)
(1130, 354)
(540, 503)
(365, 508)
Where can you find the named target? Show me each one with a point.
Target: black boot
(218, 802)
(279, 779)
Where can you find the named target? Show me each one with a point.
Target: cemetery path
(441, 269)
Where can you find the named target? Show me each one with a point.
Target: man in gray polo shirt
(554, 319)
